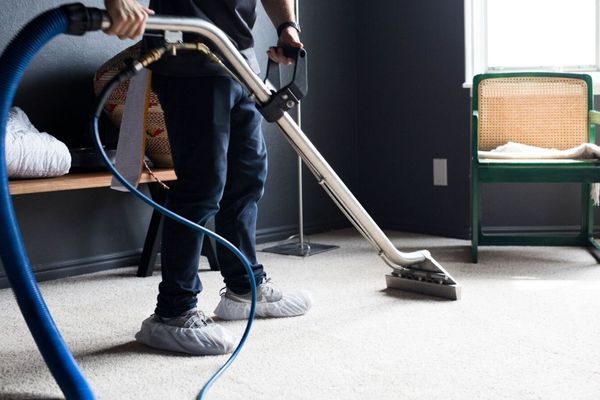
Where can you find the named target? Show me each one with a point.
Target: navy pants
(220, 160)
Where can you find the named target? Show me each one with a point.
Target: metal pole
(300, 248)
(300, 202)
(299, 121)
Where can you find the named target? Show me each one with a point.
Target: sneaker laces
(260, 289)
(266, 288)
(194, 319)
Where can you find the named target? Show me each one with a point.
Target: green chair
(550, 110)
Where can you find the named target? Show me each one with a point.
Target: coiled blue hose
(57, 356)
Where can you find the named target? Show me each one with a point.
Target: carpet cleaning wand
(416, 271)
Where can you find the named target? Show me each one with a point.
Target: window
(517, 35)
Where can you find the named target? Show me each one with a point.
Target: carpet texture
(527, 327)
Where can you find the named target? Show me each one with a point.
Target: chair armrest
(594, 117)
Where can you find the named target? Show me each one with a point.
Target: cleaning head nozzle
(432, 288)
(427, 277)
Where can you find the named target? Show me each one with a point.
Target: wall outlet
(440, 172)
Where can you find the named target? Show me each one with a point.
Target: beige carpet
(528, 327)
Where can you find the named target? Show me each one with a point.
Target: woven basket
(157, 141)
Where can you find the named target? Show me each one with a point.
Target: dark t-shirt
(234, 17)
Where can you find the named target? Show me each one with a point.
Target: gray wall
(56, 91)
(533, 207)
(77, 231)
(412, 109)
(328, 118)
(385, 99)
(81, 231)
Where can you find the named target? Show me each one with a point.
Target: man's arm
(280, 11)
(128, 18)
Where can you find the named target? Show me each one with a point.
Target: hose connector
(151, 56)
(84, 19)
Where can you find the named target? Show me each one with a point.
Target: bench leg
(152, 242)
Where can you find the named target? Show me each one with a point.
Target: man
(219, 156)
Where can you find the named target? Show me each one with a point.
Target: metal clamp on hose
(289, 96)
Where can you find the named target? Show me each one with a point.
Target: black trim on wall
(57, 270)
(81, 266)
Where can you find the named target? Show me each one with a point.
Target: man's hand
(289, 38)
(128, 18)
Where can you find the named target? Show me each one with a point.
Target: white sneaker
(271, 303)
(189, 333)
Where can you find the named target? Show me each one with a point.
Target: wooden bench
(85, 180)
(89, 180)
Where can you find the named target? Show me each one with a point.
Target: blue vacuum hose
(57, 356)
(73, 19)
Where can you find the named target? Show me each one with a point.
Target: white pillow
(31, 153)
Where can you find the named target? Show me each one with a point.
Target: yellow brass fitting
(152, 56)
(204, 49)
(156, 54)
